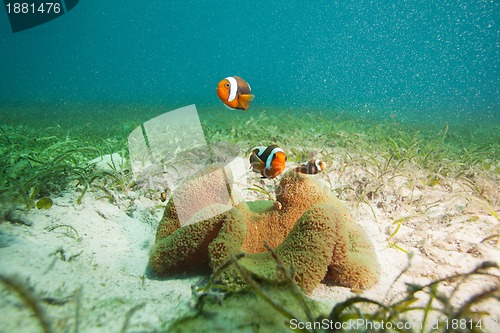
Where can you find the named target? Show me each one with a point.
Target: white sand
(107, 260)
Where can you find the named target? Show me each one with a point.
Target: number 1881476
(32, 8)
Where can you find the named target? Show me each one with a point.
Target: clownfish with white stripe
(311, 167)
(269, 161)
(235, 93)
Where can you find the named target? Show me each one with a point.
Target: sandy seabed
(87, 263)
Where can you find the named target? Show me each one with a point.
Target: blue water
(402, 57)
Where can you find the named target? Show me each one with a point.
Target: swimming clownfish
(269, 161)
(311, 167)
(235, 93)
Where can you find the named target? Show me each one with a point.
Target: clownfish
(235, 93)
(269, 161)
(311, 167)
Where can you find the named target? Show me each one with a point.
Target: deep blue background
(402, 56)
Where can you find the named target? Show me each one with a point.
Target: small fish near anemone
(269, 161)
(235, 93)
(311, 167)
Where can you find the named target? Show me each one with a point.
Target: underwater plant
(30, 299)
(438, 305)
(37, 169)
(421, 308)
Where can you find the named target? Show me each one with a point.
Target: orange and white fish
(235, 93)
(269, 161)
(311, 167)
